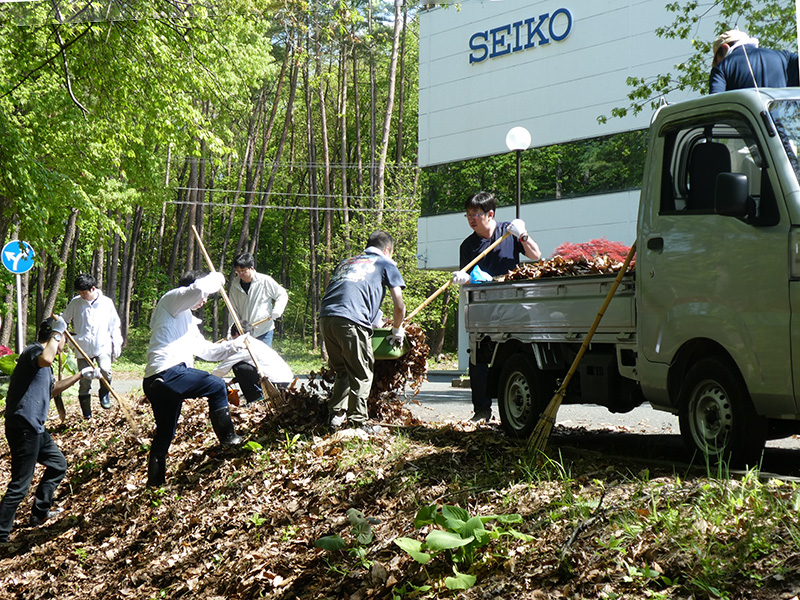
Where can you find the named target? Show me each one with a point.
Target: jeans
(350, 357)
(27, 449)
(267, 337)
(167, 395)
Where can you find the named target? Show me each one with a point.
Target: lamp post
(518, 139)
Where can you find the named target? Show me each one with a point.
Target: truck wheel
(717, 417)
(522, 396)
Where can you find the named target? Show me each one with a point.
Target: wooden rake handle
(471, 264)
(126, 409)
(227, 300)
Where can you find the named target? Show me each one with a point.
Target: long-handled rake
(541, 433)
(123, 404)
(268, 389)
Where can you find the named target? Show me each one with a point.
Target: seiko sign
(520, 35)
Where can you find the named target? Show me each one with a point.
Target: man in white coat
(247, 374)
(97, 332)
(257, 298)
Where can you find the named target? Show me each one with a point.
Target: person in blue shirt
(739, 63)
(29, 391)
(351, 307)
(480, 211)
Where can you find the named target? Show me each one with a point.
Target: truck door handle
(655, 243)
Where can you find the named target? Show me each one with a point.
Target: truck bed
(552, 309)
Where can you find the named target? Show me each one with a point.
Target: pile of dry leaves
(559, 266)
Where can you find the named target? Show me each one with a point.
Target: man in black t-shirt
(504, 258)
(350, 309)
(29, 391)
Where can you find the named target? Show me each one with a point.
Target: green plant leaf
(513, 518)
(520, 536)
(455, 512)
(445, 540)
(331, 543)
(8, 362)
(414, 548)
(461, 581)
(425, 516)
(470, 527)
(362, 530)
(253, 446)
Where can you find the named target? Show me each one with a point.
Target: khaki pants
(350, 356)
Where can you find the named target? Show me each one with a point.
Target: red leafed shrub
(5, 350)
(616, 251)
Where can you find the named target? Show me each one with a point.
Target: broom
(268, 388)
(541, 433)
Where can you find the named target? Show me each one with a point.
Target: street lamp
(517, 140)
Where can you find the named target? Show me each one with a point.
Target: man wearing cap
(29, 391)
(739, 63)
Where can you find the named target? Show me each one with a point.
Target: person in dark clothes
(29, 391)
(739, 63)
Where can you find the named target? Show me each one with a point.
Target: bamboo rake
(123, 404)
(541, 433)
(267, 387)
(471, 264)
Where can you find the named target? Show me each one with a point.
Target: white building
(553, 67)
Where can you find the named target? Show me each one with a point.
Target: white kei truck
(707, 325)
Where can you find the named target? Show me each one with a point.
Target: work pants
(103, 361)
(479, 383)
(249, 381)
(166, 392)
(350, 357)
(27, 449)
(267, 337)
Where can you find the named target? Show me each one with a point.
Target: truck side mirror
(732, 195)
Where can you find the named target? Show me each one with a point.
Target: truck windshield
(786, 115)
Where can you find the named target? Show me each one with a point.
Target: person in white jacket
(170, 376)
(257, 299)
(247, 373)
(97, 332)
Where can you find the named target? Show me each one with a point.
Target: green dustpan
(383, 350)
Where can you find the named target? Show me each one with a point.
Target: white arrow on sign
(15, 258)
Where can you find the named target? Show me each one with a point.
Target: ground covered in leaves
(242, 523)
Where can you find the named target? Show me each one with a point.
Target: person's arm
(716, 81)
(399, 306)
(116, 332)
(281, 300)
(63, 384)
(531, 247)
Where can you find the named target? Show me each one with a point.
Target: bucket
(383, 350)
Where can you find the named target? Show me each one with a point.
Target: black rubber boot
(86, 406)
(223, 427)
(156, 470)
(105, 401)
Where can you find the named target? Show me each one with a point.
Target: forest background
(285, 129)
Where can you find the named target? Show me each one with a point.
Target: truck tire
(523, 394)
(717, 417)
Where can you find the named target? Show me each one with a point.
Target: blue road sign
(18, 256)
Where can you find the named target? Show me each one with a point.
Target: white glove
(239, 342)
(115, 352)
(90, 373)
(517, 227)
(396, 339)
(211, 283)
(460, 277)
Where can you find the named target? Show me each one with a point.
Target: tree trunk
(387, 120)
(398, 158)
(129, 268)
(58, 273)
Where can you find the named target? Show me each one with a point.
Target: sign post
(17, 257)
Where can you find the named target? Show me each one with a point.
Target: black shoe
(38, 519)
(105, 402)
(156, 470)
(86, 406)
(481, 416)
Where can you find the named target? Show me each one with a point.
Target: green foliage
(459, 539)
